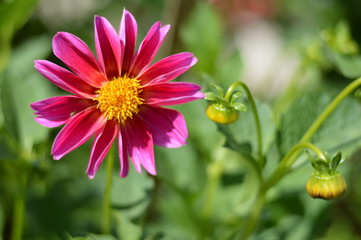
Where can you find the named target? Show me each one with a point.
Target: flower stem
(256, 212)
(288, 160)
(19, 208)
(293, 154)
(107, 194)
(330, 108)
(214, 171)
(255, 115)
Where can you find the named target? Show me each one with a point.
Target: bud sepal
(325, 181)
(224, 108)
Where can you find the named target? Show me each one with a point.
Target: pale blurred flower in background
(54, 13)
(267, 65)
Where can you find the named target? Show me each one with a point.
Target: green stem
(330, 108)
(293, 154)
(19, 208)
(245, 156)
(214, 171)
(107, 194)
(261, 195)
(255, 115)
(289, 159)
(256, 212)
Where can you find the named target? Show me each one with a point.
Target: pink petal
(149, 48)
(171, 93)
(78, 57)
(128, 35)
(123, 155)
(77, 131)
(108, 46)
(168, 68)
(139, 144)
(168, 127)
(55, 111)
(65, 79)
(101, 146)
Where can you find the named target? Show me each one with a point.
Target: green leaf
(101, 237)
(358, 94)
(2, 220)
(243, 131)
(92, 237)
(13, 15)
(79, 238)
(340, 131)
(229, 69)
(203, 23)
(348, 65)
(298, 118)
(126, 229)
(21, 86)
(131, 194)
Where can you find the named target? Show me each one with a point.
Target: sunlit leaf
(229, 69)
(341, 130)
(203, 23)
(13, 16)
(132, 194)
(349, 66)
(21, 86)
(126, 229)
(243, 131)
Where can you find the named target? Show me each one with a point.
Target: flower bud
(222, 114)
(326, 186)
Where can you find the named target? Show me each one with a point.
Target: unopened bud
(326, 186)
(222, 114)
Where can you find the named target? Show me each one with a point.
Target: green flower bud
(221, 114)
(326, 186)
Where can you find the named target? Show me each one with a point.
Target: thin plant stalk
(291, 158)
(293, 154)
(255, 115)
(19, 208)
(106, 227)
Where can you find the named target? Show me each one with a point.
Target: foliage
(221, 185)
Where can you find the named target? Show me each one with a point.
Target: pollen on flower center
(120, 98)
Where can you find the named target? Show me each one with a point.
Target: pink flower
(117, 95)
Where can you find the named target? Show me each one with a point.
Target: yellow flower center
(119, 99)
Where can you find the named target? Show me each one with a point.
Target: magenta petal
(139, 145)
(171, 93)
(168, 127)
(55, 111)
(77, 131)
(108, 46)
(64, 79)
(128, 35)
(78, 57)
(123, 155)
(149, 48)
(168, 68)
(101, 146)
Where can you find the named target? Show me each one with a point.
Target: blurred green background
(294, 55)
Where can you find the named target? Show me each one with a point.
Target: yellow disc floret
(119, 99)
